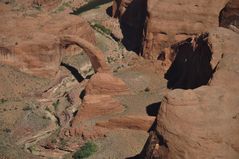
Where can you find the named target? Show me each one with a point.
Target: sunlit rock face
(32, 44)
(165, 22)
(203, 122)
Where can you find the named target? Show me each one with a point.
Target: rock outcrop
(97, 105)
(129, 122)
(132, 14)
(203, 122)
(32, 44)
(229, 16)
(95, 55)
(105, 83)
(166, 22)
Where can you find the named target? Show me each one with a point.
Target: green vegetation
(100, 28)
(87, 150)
(54, 141)
(63, 7)
(26, 108)
(111, 59)
(92, 4)
(2, 101)
(48, 109)
(63, 143)
(7, 130)
(46, 117)
(38, 7)
(56, 104)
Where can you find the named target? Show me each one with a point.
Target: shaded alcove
(191, 67)
(73, 71)
(132, 24)
(229, 15)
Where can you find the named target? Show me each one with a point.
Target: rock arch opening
(191, 67)
(95, 55)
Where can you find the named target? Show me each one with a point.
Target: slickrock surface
(32, 44)
(203, 123)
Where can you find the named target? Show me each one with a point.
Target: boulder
(106, 83)
(94, 106)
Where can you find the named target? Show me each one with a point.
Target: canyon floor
(70, 87)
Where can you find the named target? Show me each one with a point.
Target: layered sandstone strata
(32, 44)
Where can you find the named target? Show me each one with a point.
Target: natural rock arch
(95, 55)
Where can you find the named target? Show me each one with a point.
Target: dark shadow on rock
(82, 94)
(115, 38)
(153, 126)
(109, 11)
(73, 71)
(191, 67)
(132, 24)
(229, 15)
(135, 157)
(90, 5)
(152, 109)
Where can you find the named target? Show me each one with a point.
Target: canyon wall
(203, 122)
(167, 22)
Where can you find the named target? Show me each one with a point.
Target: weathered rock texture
(98, 100)
(95, 55)
(204, 122)
(132, 14)
(32, 44)
(105, 83)
(167, 22)
(229, 16)
(97, 105)
(129, 122)
(46, 4)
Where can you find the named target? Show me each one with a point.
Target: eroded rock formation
(167, 22)
(95, 55)
(229, 16)
(203, 123)
(32, 44)
(132, 15)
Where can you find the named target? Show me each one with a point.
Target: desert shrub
(37, 7)
(100, 28)
(56, 104)
(63, 7)
(3, 100)
(92, 4)
(147, 89)
(63, 143)
(26, 108)
(7, 130)
(85, 151)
